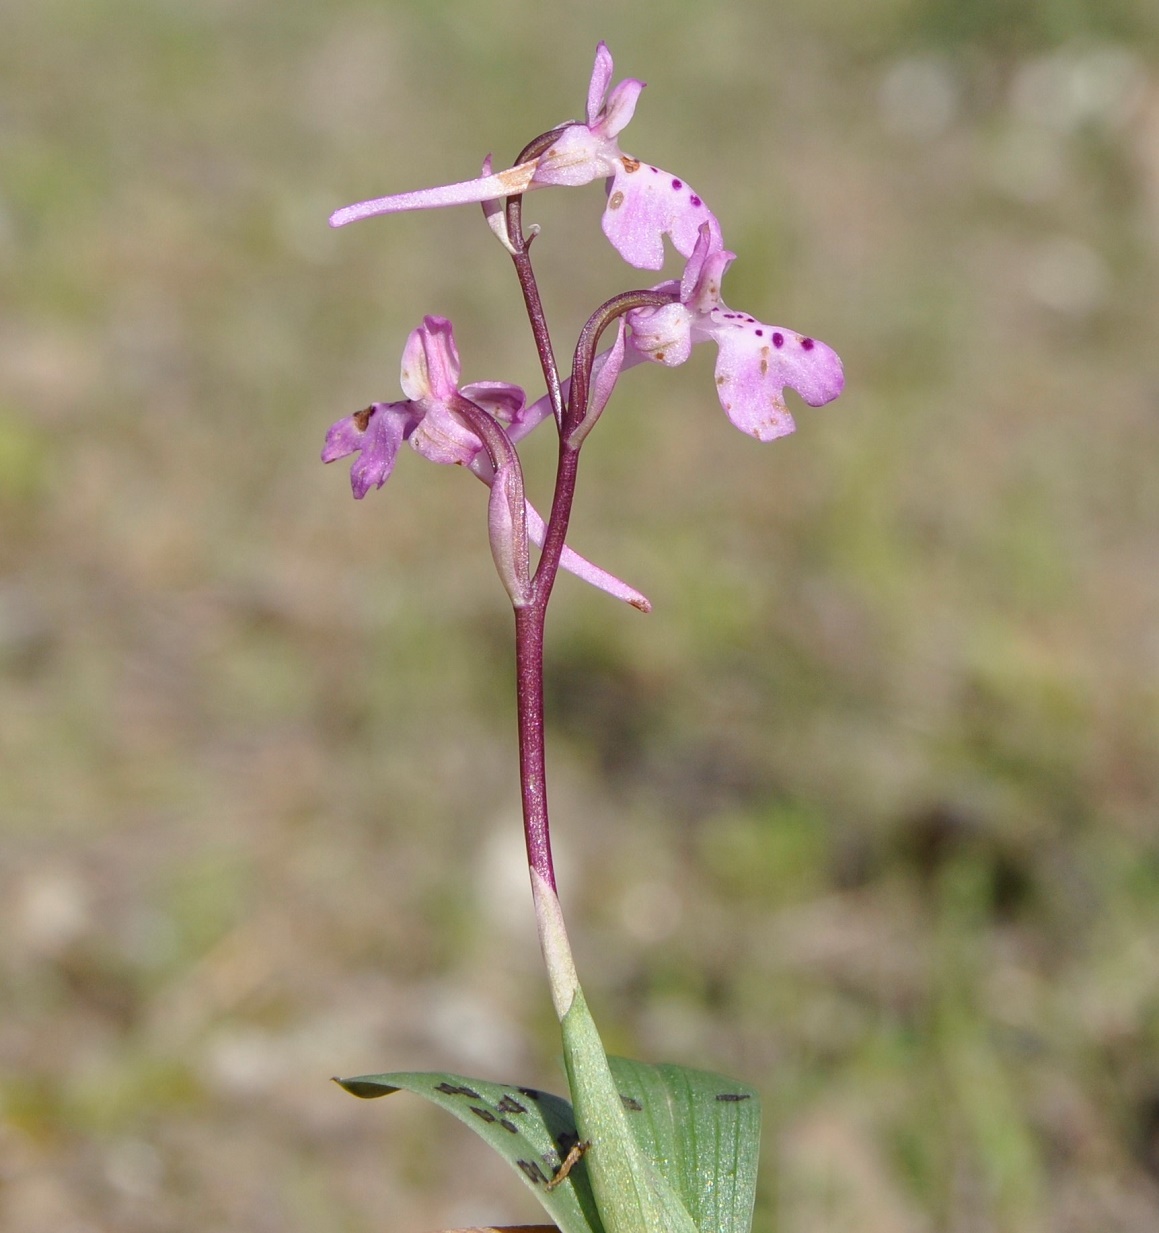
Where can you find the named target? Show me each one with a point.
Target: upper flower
(754, 363)
(644, 204)
(430, 379)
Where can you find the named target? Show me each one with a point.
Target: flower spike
(755, 362)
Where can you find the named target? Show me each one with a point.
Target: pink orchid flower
(755, 362)
(644, 204)
(430, 379)
(428, 420)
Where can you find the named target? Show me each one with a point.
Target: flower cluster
(443, 420)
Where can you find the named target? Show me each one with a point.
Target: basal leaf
(702, 1131)
(532, 1130)
(632, 1193)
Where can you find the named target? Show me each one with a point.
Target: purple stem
(527, 283)
(530, 619)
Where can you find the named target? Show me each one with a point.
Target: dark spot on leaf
(510, 1127)
(530, 1093)
(733, 1097)
(566, 1140)
(510, 1105)
(449, 1089)
(632, 1104)
(485, 1114)
(532, 1170)
(362, 418)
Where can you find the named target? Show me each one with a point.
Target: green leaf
(532, 1130)
(703, 1132)
(631, 1191)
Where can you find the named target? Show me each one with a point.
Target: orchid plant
(639, 1148)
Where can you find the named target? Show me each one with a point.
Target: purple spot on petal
(760, 333)
(807, 344)
(778, 339)
(654, 170)
(695, 200)
(677, 183)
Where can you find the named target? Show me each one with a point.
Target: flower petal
(662, 335)
(430, 362)
(620, 109)
(442, 437)
(578, 156)
(376, 433)
(598, 86)
(505, 402)
(644, 205)
(756, 362)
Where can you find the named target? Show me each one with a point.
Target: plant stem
(530, 620)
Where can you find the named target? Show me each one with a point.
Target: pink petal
(644, 205)
(430, 362)
(706, 268)
(662, 335)
(621, 108)
(601, 77)
(754, 365)
(443, 438)
(578, 156)
(376, 434)
(505, 402)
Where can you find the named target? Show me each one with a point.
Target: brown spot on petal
(764, 361)
(615, 200)
(630, 164)
(658, 356)
(516, 179)
(721, 380)
(362, 418)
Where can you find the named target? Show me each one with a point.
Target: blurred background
(865, 812)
